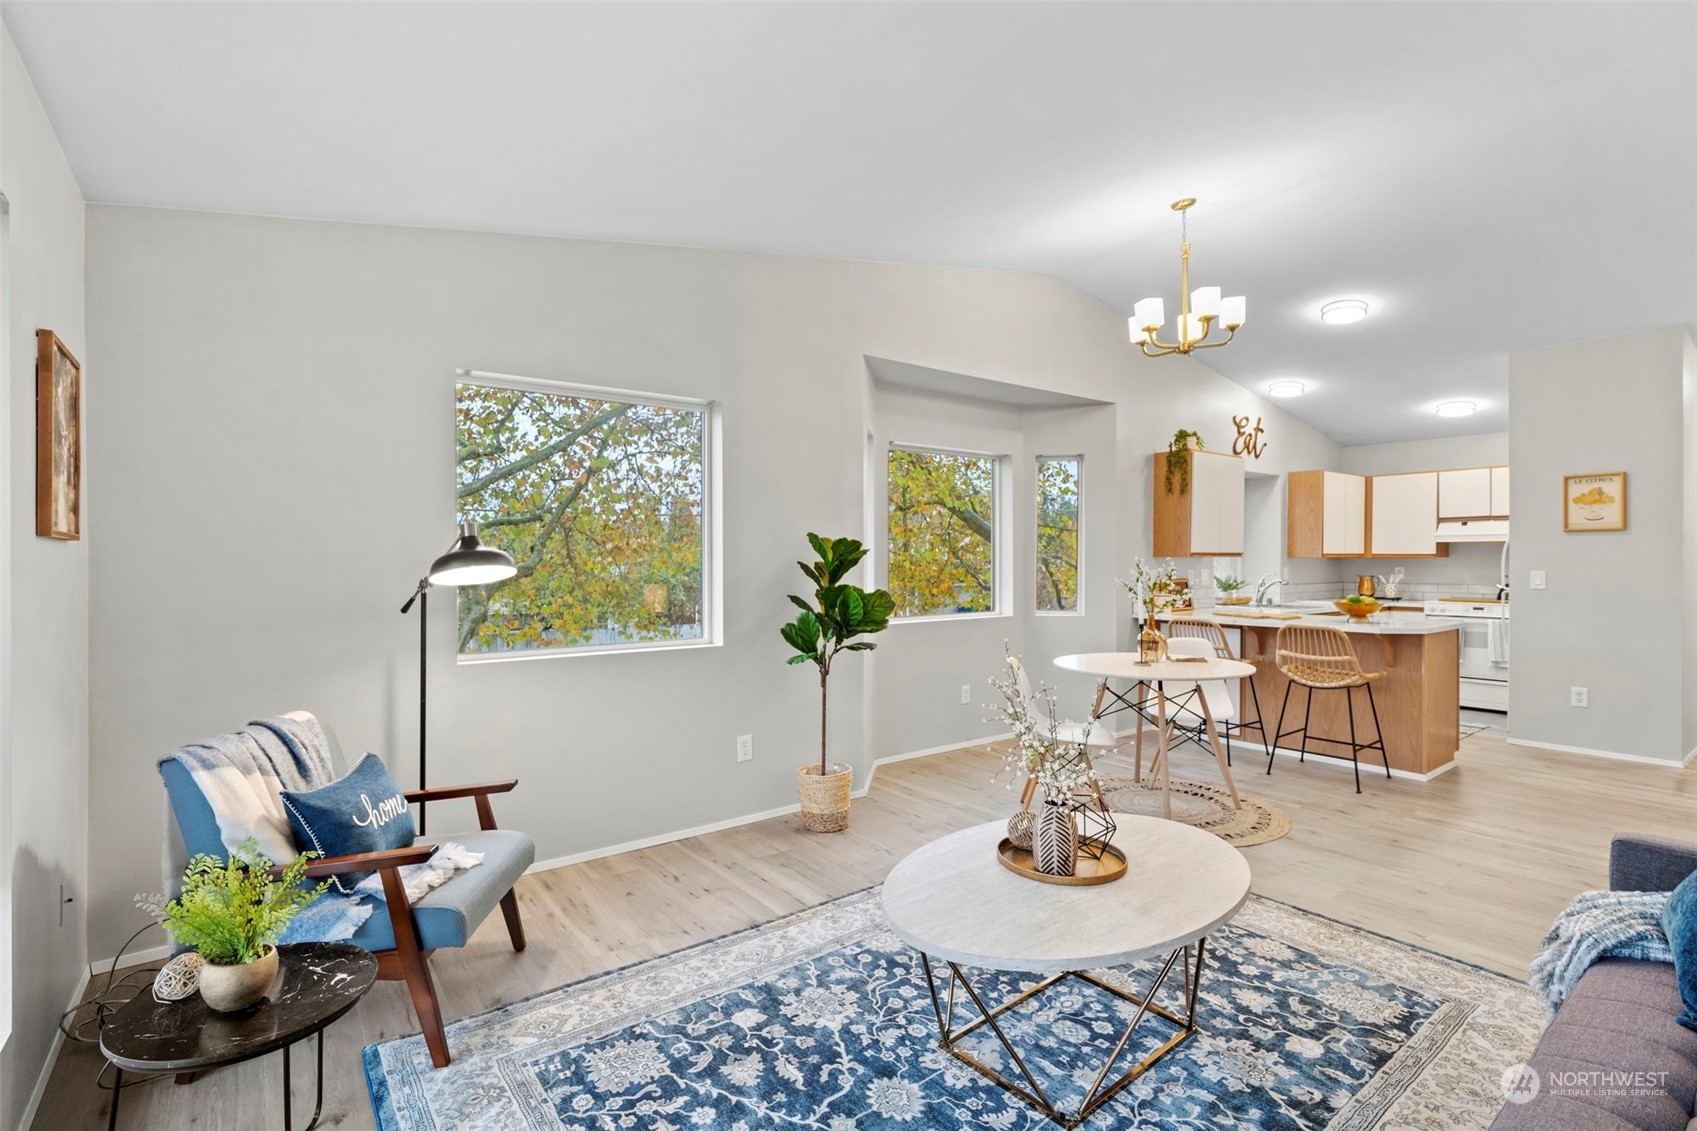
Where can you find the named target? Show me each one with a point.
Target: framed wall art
(58, 439)
(1594, 502)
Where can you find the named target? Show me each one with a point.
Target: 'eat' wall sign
(1249, 440)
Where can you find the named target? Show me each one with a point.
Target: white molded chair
(1095, 734)
(1187, 717)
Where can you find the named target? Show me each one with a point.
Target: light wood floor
(1473, 864)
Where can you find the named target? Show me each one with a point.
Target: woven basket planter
(824, 798)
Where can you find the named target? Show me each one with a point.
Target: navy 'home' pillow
(1679, 923)
(363, 812)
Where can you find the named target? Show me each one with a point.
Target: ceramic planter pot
(229, 989)
(824, 797)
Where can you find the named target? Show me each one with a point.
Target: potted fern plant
(232, 912)
(827, 626)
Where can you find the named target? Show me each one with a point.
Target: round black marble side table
(316, 983)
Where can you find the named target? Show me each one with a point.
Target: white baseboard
(733, 822)
(1339, 763)
(926, 753)
(52, 1060)
(131, 958)
(1366, 766)
(1612, 755)
(664, 838)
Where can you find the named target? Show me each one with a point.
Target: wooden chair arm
(485, 813)
(365, 861)
(449, 792)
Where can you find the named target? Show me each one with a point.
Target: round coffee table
(954, 901)
(316, 983)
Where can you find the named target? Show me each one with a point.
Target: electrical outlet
(966, 693)
(745, 748)
(1537, 579)
(1579, 696)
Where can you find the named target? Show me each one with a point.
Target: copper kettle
(1364, 585)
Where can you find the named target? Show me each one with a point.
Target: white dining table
(1186, 678)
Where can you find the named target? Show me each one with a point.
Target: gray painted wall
(297, 380)
(44, 703)
(1615, 404)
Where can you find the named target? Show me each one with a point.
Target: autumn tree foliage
(942, 527)
(1057, 534)
(599, 502)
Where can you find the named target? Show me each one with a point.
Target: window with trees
(602, 504)
(1059, 483)
(942, 532)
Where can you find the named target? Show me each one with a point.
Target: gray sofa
(1619, 1019)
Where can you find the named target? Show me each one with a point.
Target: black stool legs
(1355, 745)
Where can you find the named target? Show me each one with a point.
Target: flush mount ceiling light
(1199, 310)
(1343, 311)
(1456, 408)
(1286, 389)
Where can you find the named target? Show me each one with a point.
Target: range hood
(1473, 530)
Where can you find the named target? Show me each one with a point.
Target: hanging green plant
(1177, 465)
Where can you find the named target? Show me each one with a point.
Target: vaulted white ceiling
(1492, 177)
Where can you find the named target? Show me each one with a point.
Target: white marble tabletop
(954, 900)
(1124, 665)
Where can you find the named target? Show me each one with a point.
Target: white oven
(1484, 650)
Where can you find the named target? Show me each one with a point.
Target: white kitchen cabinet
(1205, 519)
(1326, 515)
(1499, 492)
(1465, 493)
(1403, 516)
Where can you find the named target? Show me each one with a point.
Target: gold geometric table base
(1101, 1091)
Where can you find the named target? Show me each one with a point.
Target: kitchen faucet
(1267, 582)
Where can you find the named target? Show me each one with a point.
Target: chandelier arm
(1164, 351)
(1226, 341)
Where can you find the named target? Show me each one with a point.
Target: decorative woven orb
(1019, 829)
(179, 978)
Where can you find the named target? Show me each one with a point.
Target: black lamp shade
(470, 562)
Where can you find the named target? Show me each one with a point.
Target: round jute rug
(1202, 805)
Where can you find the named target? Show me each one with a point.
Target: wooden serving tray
(1088, 871)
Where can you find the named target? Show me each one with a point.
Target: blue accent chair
(404, 938)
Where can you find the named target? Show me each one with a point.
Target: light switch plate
(1537, 579)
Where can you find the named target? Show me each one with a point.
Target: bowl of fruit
(1357, 607)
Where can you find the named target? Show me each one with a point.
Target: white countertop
(1382, 623)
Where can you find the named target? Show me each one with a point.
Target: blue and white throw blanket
(241, 775)
(1597, 925)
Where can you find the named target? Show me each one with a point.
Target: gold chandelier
(1199, 310)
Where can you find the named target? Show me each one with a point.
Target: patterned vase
(1054, 840)
(1019, 829)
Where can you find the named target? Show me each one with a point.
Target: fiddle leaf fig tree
(837, 615)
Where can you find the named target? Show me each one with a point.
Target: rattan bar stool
(1202, 628)
(1322, 659)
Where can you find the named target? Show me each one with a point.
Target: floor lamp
(467, 562)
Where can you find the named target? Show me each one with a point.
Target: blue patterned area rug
(822, 1021)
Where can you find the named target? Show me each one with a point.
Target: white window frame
(712, 563)
(1036, 494)
(7, 403)
(1001, 522)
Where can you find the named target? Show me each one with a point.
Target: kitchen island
(1419, 698)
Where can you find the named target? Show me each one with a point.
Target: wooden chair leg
(414, 968)
(510, 912)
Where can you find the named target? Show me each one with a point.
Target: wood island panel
(1419, 697)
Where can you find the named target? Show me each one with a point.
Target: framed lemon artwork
(1594, 502)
